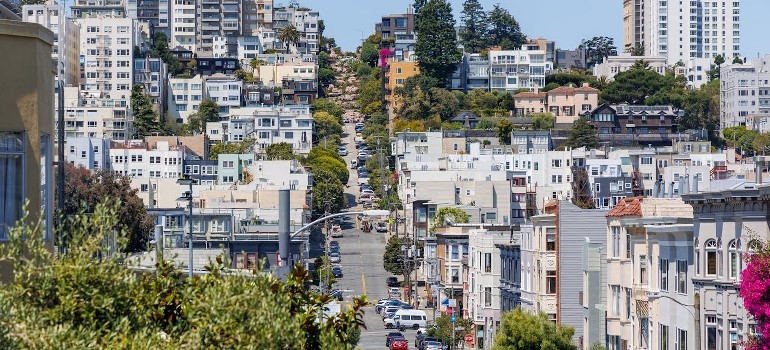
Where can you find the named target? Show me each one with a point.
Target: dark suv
(393, 282)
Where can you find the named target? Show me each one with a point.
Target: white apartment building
(90, 153)
(485, 271)
(183, 24)
(290, 124)
(234, 129)
(613, 65)
(135, 159)
(518, 69)
(744, 91)
(107, 51)
(277, 68)
(649, 275)
(248, 47)
(219, 46)
(225, 91)
(184, 97)
(306, 22)
(679, 30)
(66, 46)
(94, 118)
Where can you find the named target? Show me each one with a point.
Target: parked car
(335, 257)
(334, 244)
(425, 339)
(336, 294)
(389, 310)
(336, 231)
(407, 318)
(337, 272)
(353, 164)
(382, 226)
(392, 282)
(387, 303)
(391, 336)
(335, 249)
(399, 344)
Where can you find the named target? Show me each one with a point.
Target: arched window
(711, 257)
(734, 249)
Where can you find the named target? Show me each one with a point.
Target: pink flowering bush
(755, 291)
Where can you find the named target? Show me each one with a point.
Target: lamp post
(187, 180)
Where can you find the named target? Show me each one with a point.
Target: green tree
(90, 298)
(543, 121)
(328, 106)
(240, 147)
(146, 120)
(370, 54)
(289, 35)
(443, 103)
(327, 188)
(719, 60)
(395, 259)
(598, 48)
(634, 86)
(456, 215)
(443, 330)
(160, 49)
(256, 64)
(332, 164)
(323, 59)
(84, 190)
(582, 134)
(597, 346)
(326, 125)
(279, 151)
(504, 30)
(486, 123)
(761, 143)
(326, 76)
(322, 272)
(637, 50)
(523, 331)
(436, 46)
(474, 29)
(208, 111)
(504, 130)
(549, 87)
(737, 60)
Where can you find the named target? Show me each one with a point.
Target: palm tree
(289, 35)
(255, 64)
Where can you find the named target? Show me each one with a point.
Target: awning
(445, 302)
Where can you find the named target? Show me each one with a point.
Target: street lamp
(186, 180)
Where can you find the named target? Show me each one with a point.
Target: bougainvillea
(755, 291)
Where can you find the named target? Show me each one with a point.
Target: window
(663, 274)
(628, 245)
(615, 241)
(711, 257)
(628, 303)
(487, 262)
(663, 337)
(550, 282)
(615, 300)
(681, 339)
(734, 259)
(228, 164)
(550, 240)
(681, 276)
(487, 296)
(643, 269)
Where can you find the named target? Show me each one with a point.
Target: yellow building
(397, 73)
(26, 130)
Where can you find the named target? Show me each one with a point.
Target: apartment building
(257, 94)
(744, 91)
(26, 133)
(518, 69)
(155, 14)
(450, 247)
(248, 47)
(485, 268)
(225, 91)
(234, 129)
(552, 280)
(649, 275)
(472, 73)
(594, 297)
(290, 124)
(396, 73)
(90, 153)
(566, 103)
(684, 29)
(183, 25)
(152, 74)
(94, 8)
(275, 68)
(184, 97)
(87, 116)
(136, 159)
(612, 65)
(511, 260)
(66, 47)
(256, 14)
(217, 18)
(528, 103)
(306, 22)
(730, 221)
(107, 52)
(625, 125)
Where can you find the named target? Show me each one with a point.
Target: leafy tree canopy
(394, 258)
(474, 26)
(240, 147)
(436, 46)
(328, 106)
(543, 121)
(582, 134)
(370, 53)
(457, 216)
(522, 331)
(280, 151)
(504, 130)
(504, 30)
(146, 120)
(598, 48)
(326, 125)
(443, 329)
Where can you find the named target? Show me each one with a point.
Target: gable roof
(527, 94)
(630, 206)
(463, 115)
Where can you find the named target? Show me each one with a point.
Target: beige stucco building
(566, 103)
(26, 131)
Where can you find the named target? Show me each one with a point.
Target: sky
(564, 21)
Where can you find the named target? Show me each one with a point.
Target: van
(407, 318)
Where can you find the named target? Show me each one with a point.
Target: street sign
(452, 302)
(454, 319)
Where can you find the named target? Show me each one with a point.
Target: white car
(335, 258)
(367, 191)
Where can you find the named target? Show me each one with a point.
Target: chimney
(681, 184)
(695, 180)
(537, 89)
(656, 189)
(671, 190)
(661, 188)
(585, 84)
(686, 185)
(758, 165)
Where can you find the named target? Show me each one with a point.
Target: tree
(240, 147)
(89, 298)
(443, 103)
(328, 106)
(597, 346)
(160, 49)
(637, 50)
(289, 35)
(754, 289)
(582, 134)
(83, 190)
(520, 330)
(256, 64)
(737, 60)
(543, 121)
(208, 111)
(279, 151)
(332, 164)
(474, 29)
(598, 48)
(456, 215)
(436, 46)
(146, 120)
(486, 123)
(443, 329)
(504, 130)
(634, 86)
(326, 125)
(370, 54)
(394, 259)
(322, 272)
(326, 76)
(327, 188)
(504, 30)
(719, 60)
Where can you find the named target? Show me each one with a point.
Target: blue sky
(564, 21)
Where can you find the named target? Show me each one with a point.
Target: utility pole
(327, 263)
(382, 174)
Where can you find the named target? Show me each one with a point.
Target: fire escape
(719, 171)
(581, 187)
